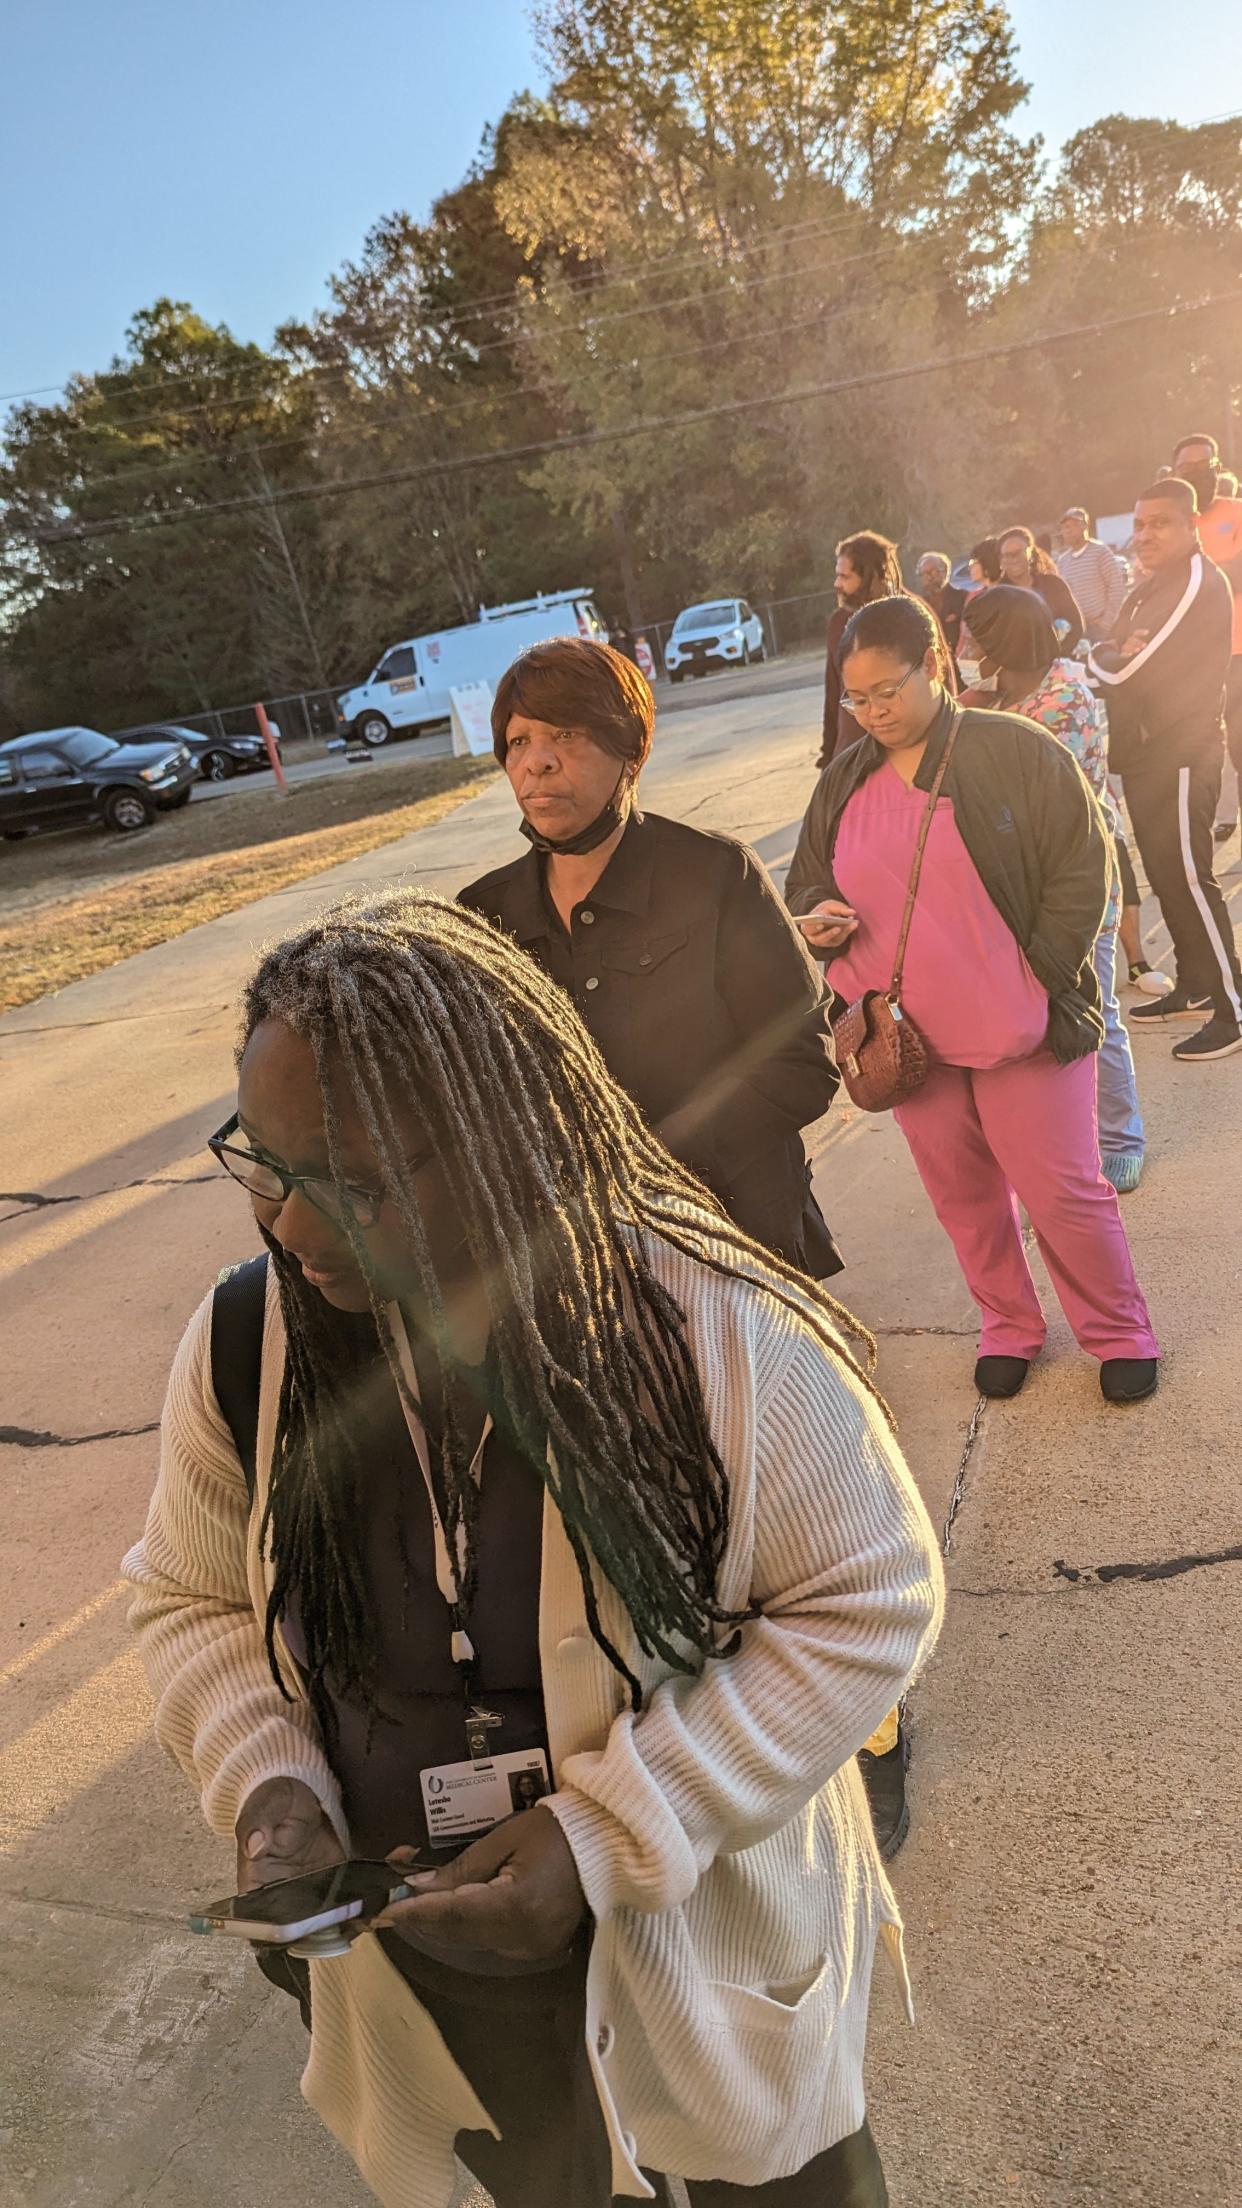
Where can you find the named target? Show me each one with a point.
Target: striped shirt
(1098, 580)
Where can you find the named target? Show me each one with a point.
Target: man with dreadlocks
(867, 568)
(545, 1451)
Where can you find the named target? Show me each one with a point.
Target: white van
(410, 687)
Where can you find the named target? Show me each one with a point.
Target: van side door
(398, 676)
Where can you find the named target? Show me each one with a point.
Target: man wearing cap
(1095, 575)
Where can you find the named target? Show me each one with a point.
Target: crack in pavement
(32, 1197)
(743, 782)
(906, 1333)
(1170, 1567)
(959, 1485)
(31, 1200)
(110, 1019)
(32, 1437)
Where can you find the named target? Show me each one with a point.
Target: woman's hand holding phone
(282, 1832)
(512, 1892)
(829, 925)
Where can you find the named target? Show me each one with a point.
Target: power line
(455, 315)
(905, 244)
(191, 456)
(449, 321)
(637, 272)
(131, 422)
(544, 448)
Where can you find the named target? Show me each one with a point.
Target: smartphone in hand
(818, 921)
(293, 1908)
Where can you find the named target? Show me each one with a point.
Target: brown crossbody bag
(881, 1053)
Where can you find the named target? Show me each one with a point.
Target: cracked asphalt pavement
(1074, 1777)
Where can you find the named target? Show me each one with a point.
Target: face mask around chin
(973, 676)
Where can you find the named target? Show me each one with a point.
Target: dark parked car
(216, 757)
(63, 776)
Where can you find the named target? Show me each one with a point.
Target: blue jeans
(1121, 1122)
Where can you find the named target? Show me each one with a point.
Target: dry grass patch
(195, 865)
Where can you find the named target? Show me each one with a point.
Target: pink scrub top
(967, 986)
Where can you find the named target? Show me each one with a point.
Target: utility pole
(278, 530)
(625, 562)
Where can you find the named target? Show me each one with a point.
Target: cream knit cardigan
(722, 1837)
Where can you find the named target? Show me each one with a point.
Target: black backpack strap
(237, 1308)
(237, 1355)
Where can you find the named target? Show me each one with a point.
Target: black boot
(885, 1780)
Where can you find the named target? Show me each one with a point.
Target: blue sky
(234, 152)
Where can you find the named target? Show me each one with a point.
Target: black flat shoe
(1128, 1379)
(885, 1780)
(1001, 1376)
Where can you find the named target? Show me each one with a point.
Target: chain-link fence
(310, 716)
(301, 716)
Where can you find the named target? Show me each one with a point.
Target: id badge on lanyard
(464, 1799)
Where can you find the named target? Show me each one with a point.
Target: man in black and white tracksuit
(1162, 676)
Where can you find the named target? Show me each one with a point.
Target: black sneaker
(1223, 830)
(1128, 1379)
(885, 1780)
(1177, 1007)
(1219, 1039)
(1001, 1377)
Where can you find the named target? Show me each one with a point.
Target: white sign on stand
(471, 717)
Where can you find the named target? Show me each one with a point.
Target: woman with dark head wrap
(1014, 632)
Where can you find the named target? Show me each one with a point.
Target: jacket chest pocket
(645, 957)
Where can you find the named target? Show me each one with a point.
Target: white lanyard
(448, 1579)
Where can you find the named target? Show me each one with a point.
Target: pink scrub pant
(985, 1140)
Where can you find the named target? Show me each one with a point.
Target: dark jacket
(1062, 606)
(1165, 705)
(706, 1007)
(948, 606)
(1036, 838)
(840, 727)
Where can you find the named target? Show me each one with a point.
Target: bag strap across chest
(912, 887)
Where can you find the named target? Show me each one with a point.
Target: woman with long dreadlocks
(554, 1471)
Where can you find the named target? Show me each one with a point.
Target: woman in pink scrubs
(998, 978)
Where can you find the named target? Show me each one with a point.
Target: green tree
(747, 200)
(1142, 214)
(118, 607)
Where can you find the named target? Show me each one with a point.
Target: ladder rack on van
(532, 605)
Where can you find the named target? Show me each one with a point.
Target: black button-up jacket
(706, 1008)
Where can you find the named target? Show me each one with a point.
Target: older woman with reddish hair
(673, 944)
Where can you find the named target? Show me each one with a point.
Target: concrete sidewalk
(1074, 1780)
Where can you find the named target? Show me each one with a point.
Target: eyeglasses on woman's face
(862, 703)
(274, 1183)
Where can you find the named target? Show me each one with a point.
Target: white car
(721, 633)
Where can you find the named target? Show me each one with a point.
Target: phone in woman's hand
(840, 922)
(292, 1909)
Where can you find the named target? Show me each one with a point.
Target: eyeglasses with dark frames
(274, 1183)
(883, 694)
